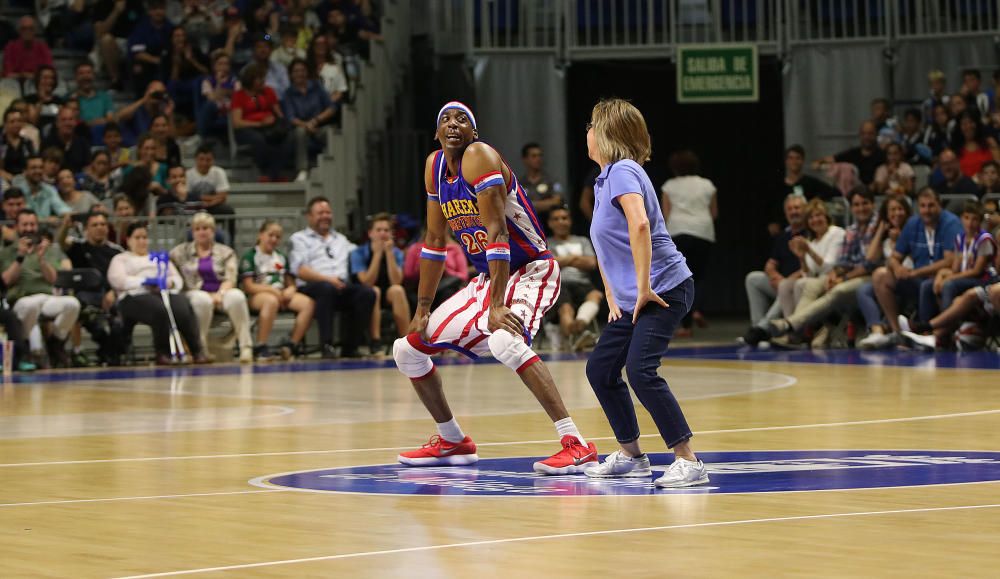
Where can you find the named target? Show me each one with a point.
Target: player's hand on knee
(501, 318)
(419, 322)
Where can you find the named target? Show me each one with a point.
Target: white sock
(566, 426)
(587, 312)
(451, 431)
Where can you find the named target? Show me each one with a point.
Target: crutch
(162, 260)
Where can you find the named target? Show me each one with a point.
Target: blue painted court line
(899, 358)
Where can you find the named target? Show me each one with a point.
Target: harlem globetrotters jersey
(458, 200)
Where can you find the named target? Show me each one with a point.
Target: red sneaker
(440, 452)
(572, 459)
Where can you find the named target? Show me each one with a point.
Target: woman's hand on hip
(643, 299)
(614, 312)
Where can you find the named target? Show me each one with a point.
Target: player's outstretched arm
(432, 255)
(483, 168)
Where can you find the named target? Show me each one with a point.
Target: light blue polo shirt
(609, 234)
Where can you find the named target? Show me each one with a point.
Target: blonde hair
(202, 218)
(620, 131)
(817, 206)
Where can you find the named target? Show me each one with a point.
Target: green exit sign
(723, 73)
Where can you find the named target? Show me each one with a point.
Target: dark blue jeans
(638, 349)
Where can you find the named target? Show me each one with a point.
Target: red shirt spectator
(22, 56)
(256, 108)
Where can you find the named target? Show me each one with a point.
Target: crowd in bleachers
(917, 263)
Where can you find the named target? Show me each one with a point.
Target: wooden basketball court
(147, 473)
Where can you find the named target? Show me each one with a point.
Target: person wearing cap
(472, 191)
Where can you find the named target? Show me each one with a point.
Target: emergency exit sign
(717, 74)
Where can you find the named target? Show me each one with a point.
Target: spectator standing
(578, 301)
(259, 122)
(690, 206)
(96, 106)
(217, 91)
(15, 150)
(29, 271)
(133, 277)
(42, 198)
(268, 283)
(75, 148)
(23, 56)
(378, 264)
(867, 156)
(895, 176)
(544, 192)
(148, 45)
(97, 315)
(319, 261)
(762, 286)
(209, 272)
(927, 239)
(307, 107)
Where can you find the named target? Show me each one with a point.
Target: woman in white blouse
(817, 255)
(133, 276)
(690, 206)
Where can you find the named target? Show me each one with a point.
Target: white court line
(558, 536)
(512, 443)
(113, 499)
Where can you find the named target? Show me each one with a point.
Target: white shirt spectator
(333, 78)
(574, 245)
(690, 207)
(216, 176)
(828, 247)
(328, 255)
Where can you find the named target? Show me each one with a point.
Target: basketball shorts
(460, 323)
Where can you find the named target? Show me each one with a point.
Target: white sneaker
(554, 336)
(904, 323)
(246, 355)
(617, 465)
(585, 340)
(879, 341)
(683, 473)
(923, 342)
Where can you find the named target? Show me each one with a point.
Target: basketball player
(471, 189)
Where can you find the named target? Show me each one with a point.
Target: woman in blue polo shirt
(649, 289)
